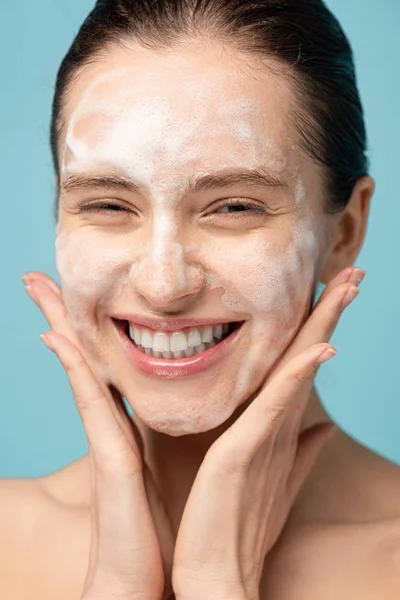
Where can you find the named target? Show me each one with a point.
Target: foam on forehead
(158, 145)
(151, 137)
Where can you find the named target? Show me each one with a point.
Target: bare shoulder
(346, 543)
(19, 501)
(44, 540)
(345, 561)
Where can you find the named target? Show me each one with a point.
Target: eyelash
(113, 207)
(105, 206)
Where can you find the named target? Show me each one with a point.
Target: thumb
(311, 441)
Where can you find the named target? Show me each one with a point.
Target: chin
(183, 410)
(185, 422)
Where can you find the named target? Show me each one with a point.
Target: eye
(105, 206)
(240, 207)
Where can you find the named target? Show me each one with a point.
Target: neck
(175, 461)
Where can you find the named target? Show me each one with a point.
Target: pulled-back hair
(302, 34)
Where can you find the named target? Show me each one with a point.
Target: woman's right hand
(131, 541)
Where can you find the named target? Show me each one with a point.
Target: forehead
(195, 99)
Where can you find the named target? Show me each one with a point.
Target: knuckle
(276, 412)
(299, 376)
(76, 364)
(85, 402)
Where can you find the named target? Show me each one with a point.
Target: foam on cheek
(92, 269)
(297, 277)
(273, 285)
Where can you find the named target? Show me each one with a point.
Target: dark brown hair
(301, 34)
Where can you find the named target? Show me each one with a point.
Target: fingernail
(25, 278)
(46, 341)
(31, 293)
(349, 297)
(357, 276)
(326, 355)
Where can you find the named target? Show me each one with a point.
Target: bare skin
(341, 536)
(341, 539)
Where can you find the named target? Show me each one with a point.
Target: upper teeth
(176, 341)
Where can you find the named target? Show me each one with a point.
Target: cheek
(91, 269)
(267, 278)
(275, 289)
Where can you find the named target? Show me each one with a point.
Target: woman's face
(171, 241)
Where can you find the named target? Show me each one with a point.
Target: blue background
(40, 429)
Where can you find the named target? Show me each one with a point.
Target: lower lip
(177, 368)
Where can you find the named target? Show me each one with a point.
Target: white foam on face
(273, 289)
(134, 121)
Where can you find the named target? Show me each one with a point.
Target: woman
(211, 169)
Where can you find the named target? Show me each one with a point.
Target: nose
(165, 278)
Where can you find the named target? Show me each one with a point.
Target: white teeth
(147, 339)
(207, 335)
(178, 342)
(135, 335)
(217, 330)
(194, 337)
(160, 342)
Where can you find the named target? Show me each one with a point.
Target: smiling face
(180, 231)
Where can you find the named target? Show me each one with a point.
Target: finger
(91, 402)
(321, 325)
(53, 309)
(309, 447)
(322, 322)
(123, 517)
(351, 274)
(127, 424)
(33, 276)
(264, 417)
(51, 303)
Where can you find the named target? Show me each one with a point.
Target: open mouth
(175, 345)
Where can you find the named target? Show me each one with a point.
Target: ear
(349, 230)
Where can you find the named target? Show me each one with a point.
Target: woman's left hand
(251, 475)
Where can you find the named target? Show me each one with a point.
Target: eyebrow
(250, 177)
